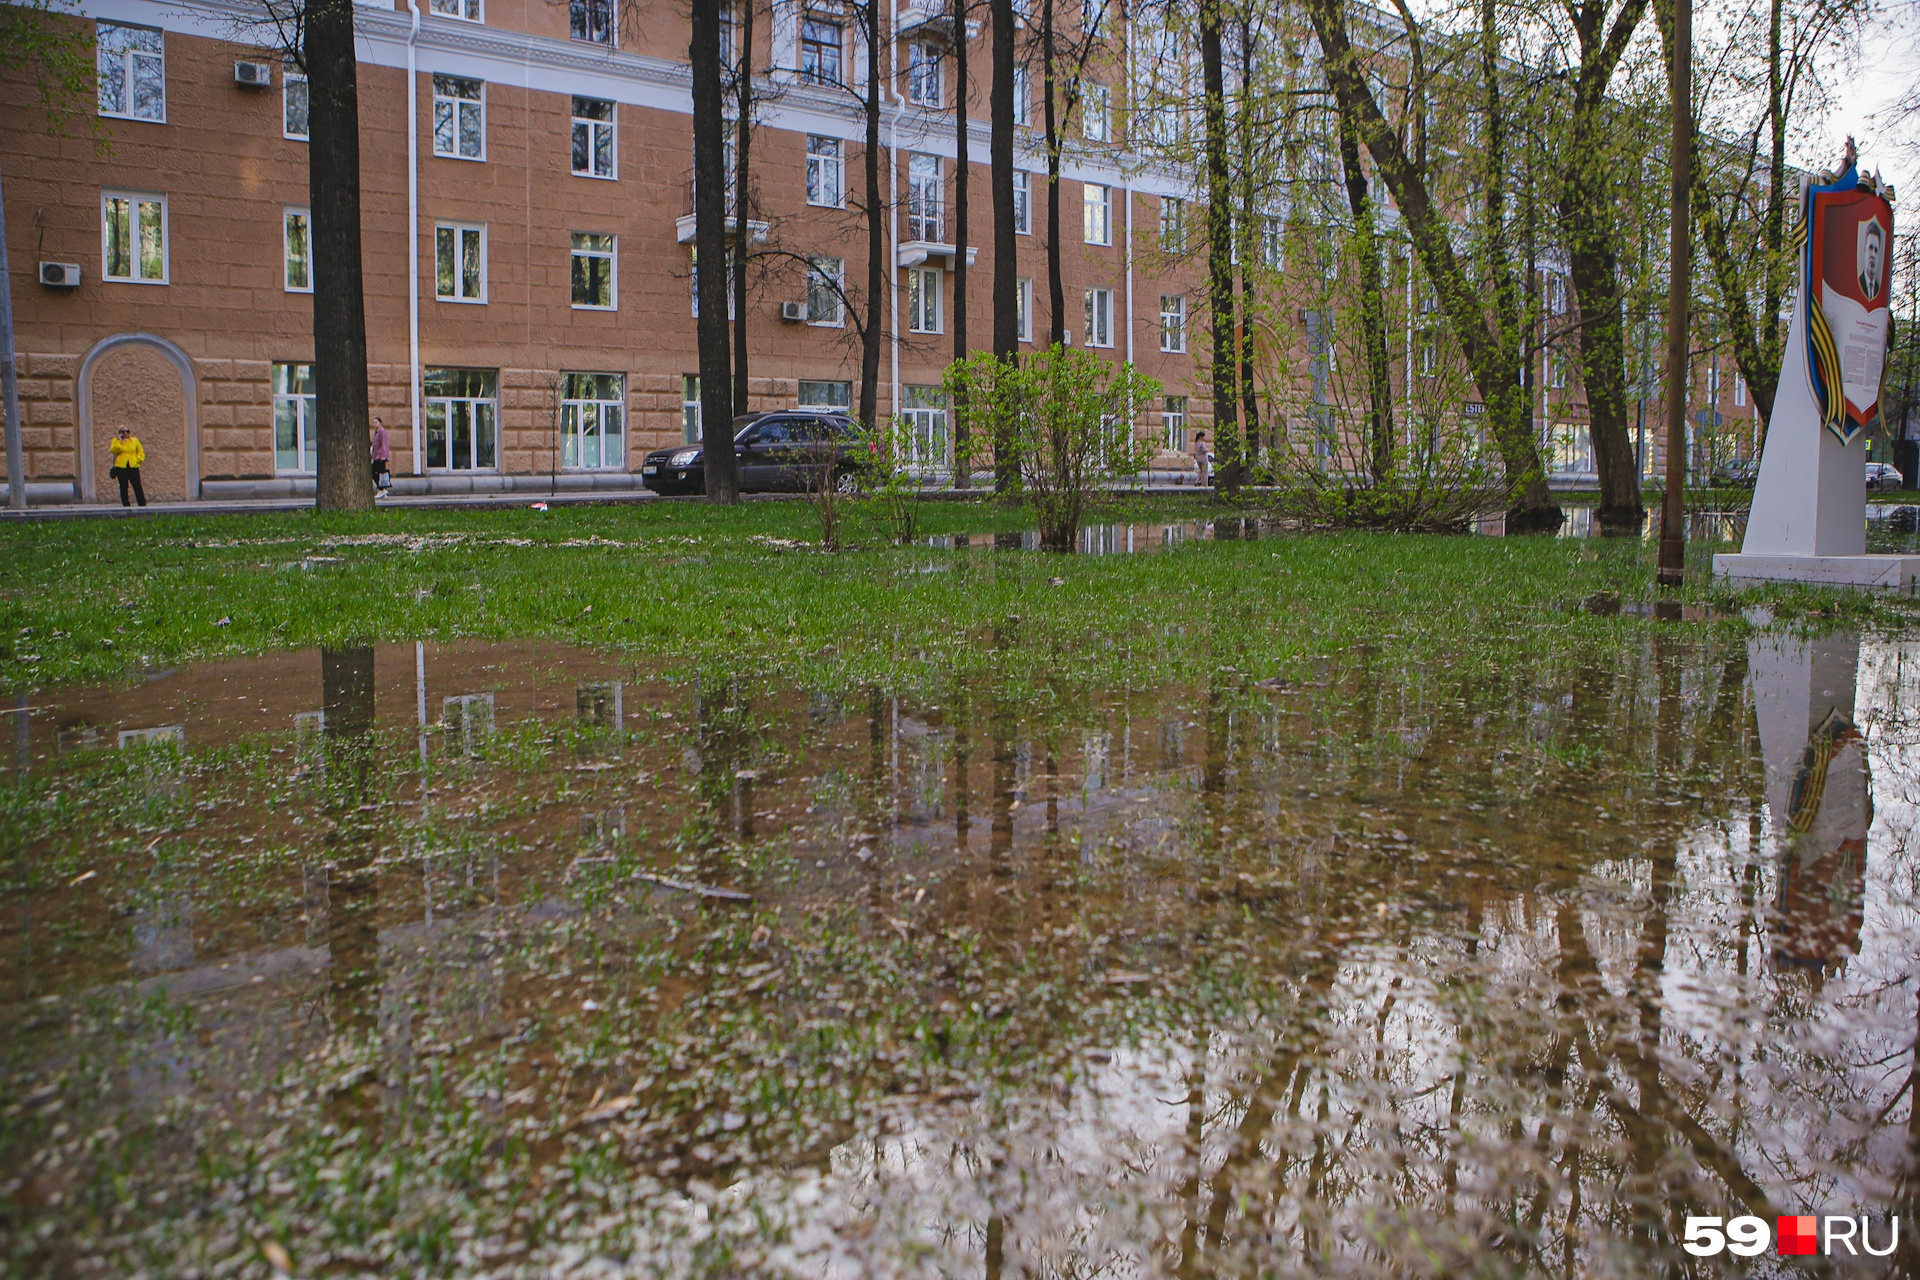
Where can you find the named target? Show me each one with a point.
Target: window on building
(1023, 307)
(465, 10)
(1093, 16)
(1273, 242)
(591, 20)
(463, 419)
(923, 300)
(1099, 317)
(459, 118)
(460, 262)
(297, 225)
(1713, 383)
(825, 171)
(294, 101)
(923, 76)
(822, 394)
(593, 138)
(594, 274)
(1173, 224)
(1739, 390)
(1428, 359)
(826, 277)
(820, 51)
(133, 234)
(690, 408)
(1556, 294)
(1022, 97)
(133, 72)
(294, 449)
(1173, 419)
(923, 412)
(1096, 204)
(1023, 203)
(593, 419)
(693, 260)
(1096, 113)
(1556, 369)
(926, 197)
(1173, 322)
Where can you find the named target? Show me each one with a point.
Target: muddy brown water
(523, 960)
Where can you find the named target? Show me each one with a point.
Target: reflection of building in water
(1818, 795)
(468, 722)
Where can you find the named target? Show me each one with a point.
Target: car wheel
(845, 483)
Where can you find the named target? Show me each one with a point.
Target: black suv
(776, 452)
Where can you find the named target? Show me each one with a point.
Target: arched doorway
(149, 384)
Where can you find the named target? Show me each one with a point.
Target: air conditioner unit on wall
(793, 311)
(255, 75)
(60, 275)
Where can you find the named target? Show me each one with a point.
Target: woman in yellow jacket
(127, 457)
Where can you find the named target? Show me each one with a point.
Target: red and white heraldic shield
(1852, 251)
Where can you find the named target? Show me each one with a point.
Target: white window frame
(1023, 307)
(464, 10)
(123, 71)
(1096, 113)
(1173, 224)
(926, 198)
(134, 200)
(301, 404)
(456, 105)
(1022, 98)
(289, 214)
(1022, 203)
(831, 272)
(289, 77)
(926, 79)
(1099, 317)
(610, 255)
(446, 402)
(1173, 323)
(1739, 390)
(1173, 423)
(576, 410)
(612, 40)
(689, 408)
(923, 300)
(923, 411)
(460, 231)
(1096, 207)
(594, 127)
(839, 70)
(826, 160)
(839, 402)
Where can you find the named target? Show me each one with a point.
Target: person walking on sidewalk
(382, 455)
(1202, 460)
(127, 454)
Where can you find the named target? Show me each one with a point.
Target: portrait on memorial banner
(1848, 280)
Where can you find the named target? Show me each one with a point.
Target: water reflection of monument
(1818, 794)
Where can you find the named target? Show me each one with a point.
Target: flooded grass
(1287, 906)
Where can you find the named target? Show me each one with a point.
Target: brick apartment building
(528, 259)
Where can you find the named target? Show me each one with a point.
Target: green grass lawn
(748, 588)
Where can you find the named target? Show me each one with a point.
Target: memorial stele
(1808, 522)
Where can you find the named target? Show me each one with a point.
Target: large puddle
(519, 960)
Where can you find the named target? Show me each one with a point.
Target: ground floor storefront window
(836, 396)
(463, 419)
(294, 449)
(923, 412)
(593, 419)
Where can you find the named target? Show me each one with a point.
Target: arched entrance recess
(190, 391)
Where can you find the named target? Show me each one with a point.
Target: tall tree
(1588, 200)
(710, 248)
(742, 202)
(343, 480)
(1220, 299)
(1006, 286)
(870, 333)
(1373, 311)
(962, 172)
(1486, 321)
(1051, 127)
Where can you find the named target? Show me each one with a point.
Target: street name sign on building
(1808, 521)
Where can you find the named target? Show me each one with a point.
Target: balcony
(931, 24)
(757, 231)
(911, 253)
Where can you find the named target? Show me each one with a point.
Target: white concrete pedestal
(1894, 572)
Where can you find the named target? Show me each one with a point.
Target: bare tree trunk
(710, 243)
(743, 107)
(1226, 429)
(1006, 267)
(1250, 247)
(1373, 314)
(876, 231)
(961, 175)
(343, 480)
(1056, 291)
(1586, 214)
